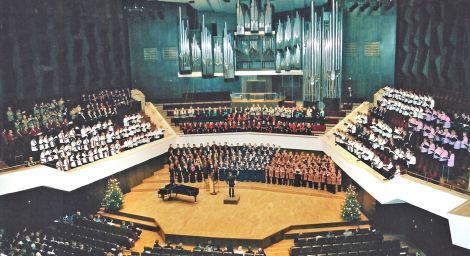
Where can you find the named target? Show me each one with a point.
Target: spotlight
(364, 6)
(389, 5)
(376, 5)
(353, 7)
(138, 7)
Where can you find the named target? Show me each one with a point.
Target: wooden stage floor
(263, 210)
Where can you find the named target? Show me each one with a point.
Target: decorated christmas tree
(112, 200)
(351, 208)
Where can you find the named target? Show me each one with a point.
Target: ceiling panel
(230, 7)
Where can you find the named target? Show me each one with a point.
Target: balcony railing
(257, 96)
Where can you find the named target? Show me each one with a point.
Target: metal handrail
(257, 95)
(437, 182)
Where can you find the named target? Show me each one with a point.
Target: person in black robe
(179, 173)
(192, 174)
(185, 174)
(172, 173)
(198, 173)
(206, 171)
(297, 178)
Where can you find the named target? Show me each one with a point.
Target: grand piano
(176, 189)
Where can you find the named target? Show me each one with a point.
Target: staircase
(354, 106)
(168, 119)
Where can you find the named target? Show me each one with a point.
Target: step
(153, 186)
(143, 223)
(162, 172)
(295, 232)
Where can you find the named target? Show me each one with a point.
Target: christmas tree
(351, 208)
(112, 200)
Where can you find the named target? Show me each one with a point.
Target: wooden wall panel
(433, 46)
(59, 48)
(369, 50)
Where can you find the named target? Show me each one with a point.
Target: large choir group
(256, 118)
(195, 163)
(100, 125)
(103, 105)
(255, 163)
(301, 169)
(78, 146)
(406, 131)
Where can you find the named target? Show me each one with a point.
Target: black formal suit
(231, 185)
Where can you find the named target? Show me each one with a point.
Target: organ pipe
(240, 19)
(206, 51)
(218, 56)
(184, 58)
(254, 16)
(268, 19)
(229, 63)
(196, 54)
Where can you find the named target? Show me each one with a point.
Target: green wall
(157, 27)
(369, 73)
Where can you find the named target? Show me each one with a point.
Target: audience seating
(158, 251)
(72, 235)
(363, 242)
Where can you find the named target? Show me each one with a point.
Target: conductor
(231, 184)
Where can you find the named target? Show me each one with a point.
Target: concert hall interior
(234, 127)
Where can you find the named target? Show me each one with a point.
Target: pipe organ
(310, 46)
(323, 45)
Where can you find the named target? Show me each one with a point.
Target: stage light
(353, 6)
(376, 5)
(389, 5)
(364, 6)
(137, 7)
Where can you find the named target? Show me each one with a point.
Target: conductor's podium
(232, 200)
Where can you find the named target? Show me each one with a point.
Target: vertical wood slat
(39, 41)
